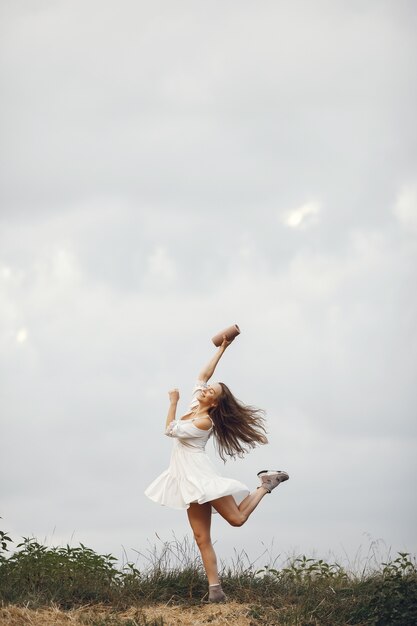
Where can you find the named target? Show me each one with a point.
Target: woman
(191, 482)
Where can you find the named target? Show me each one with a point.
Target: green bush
(62, 575)
(394, 599)
(306, 591)
(315, 590)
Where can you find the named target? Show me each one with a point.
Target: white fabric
(191, 476)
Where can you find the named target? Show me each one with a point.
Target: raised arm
(174, 396)
(208, 371)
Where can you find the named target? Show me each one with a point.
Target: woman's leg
(237, 515)
(199, 516)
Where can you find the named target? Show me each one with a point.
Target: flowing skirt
(192, 477)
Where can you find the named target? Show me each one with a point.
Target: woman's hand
(226, 342)
(174, 396)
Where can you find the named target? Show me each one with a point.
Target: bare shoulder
(203, 423)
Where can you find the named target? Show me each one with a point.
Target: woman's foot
(272, 478)
(216, 594)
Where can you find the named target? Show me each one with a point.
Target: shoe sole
(272, 472)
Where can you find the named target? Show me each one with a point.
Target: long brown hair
(237, 427)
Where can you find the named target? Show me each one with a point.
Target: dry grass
(40, 585)
(231, 614)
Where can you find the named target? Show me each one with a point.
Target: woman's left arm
(208, 371)
(174, 396)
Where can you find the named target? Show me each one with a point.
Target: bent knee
(237, 520)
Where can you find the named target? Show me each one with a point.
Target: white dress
(191, 476)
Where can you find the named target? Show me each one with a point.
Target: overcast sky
(171, 168)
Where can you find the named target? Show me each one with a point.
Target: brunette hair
(237, 427)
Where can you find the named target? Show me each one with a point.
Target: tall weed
(304, 591)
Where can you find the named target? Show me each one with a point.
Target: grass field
(41, 586)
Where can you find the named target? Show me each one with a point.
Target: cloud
(302, 217)
(22, 335)
(161, 266)
(405, 208)
(142, 172)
